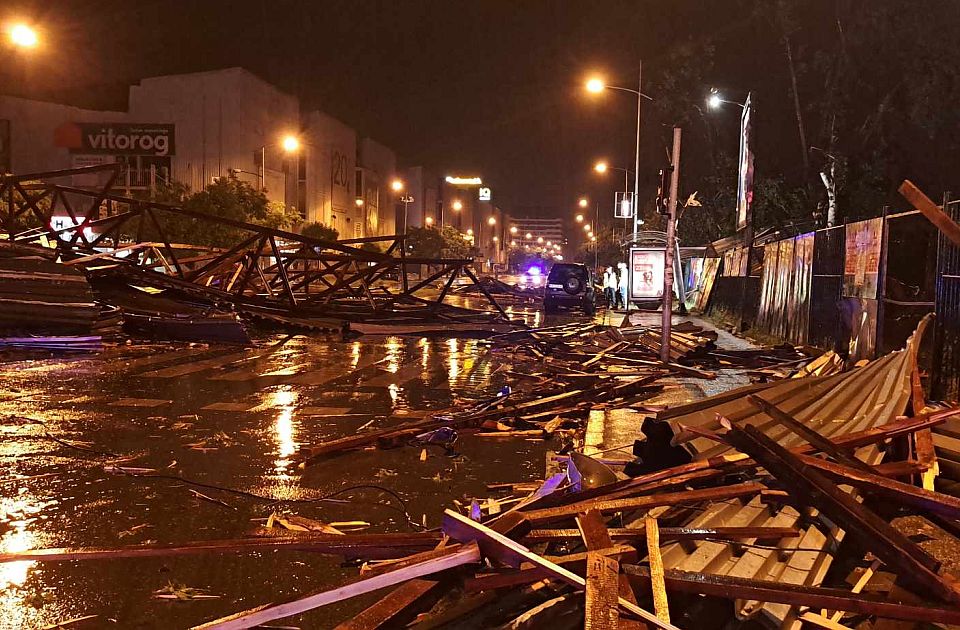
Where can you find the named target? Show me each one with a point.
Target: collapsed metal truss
(266, 270)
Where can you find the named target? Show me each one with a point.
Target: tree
(429, 242)
(227, 198)
(320, 231)
(608, 249)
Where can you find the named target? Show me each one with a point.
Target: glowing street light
(23, 36)
(359, 202)
(469, 231)
(457, 205)
(492, 221)
(540, 239)
(593, 238)
(714, 101)
(290, 144)
(513, 229)
(429, 220)
(600, 167)
(396, 185)
(529, 236)
(579, 218)
(595, 85)
(583, 202)
(586, 228)
(549, 243)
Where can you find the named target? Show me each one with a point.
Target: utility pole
(670, 246)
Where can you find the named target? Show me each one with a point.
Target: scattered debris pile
(504, 292)
(265, 274)
(737, 506)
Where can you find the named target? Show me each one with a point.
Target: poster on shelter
(862, 263)
(646, 273)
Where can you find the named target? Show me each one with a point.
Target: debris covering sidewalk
(523, 545)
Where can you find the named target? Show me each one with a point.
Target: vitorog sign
(116, 138)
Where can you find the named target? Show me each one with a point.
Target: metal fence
(946, 373)
(825, 290)
(784, 308)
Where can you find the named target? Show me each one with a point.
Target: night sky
(492, 87)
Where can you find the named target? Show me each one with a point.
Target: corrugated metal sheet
(832, 405)
(947, 353)
(828, 246)
(784, 309)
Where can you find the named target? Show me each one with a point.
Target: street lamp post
(597, 85)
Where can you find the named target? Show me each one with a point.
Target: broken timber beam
(816, 440)
(595, 536)
(809, 487)
(412, 567)
(642, 502)
(501, 548)
(729, 587)
(931, 210)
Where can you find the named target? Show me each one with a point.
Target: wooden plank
(596, 536)
(810, 488)
(501, 548)
(655, 500)
(349, 545)
(793, 594)
(812, 437)
(905, 493)
(395, 608)
(601, 611)
(669, 533)
(413, 567)
(931, 210)
(660, 604)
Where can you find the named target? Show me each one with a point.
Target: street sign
(623, 207)
(485, 194)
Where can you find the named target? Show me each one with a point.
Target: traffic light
(663, 191)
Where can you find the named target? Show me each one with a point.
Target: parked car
(570, 285)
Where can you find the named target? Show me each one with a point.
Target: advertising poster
(745, 172)
(646, 273)
(862, 261)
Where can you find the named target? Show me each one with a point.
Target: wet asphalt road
(231, 417)
(235, 417)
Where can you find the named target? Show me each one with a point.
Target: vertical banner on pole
(745, 173)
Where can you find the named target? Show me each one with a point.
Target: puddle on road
(226, 417)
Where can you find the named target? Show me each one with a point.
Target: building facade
(196, 127)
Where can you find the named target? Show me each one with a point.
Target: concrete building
(195, 127)
(376, 169)
(328, 182)
(33, 135)
(225, 120)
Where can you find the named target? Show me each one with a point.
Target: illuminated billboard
(646, 273)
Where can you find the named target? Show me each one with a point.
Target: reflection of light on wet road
(453, 360)
(355, 354)
(425, 352)
(14, 574)
(392, 345)
(394, 391)
(284, 428)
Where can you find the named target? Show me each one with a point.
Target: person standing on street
(622, 287)
(610, 287)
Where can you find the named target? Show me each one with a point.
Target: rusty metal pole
(669, 249)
